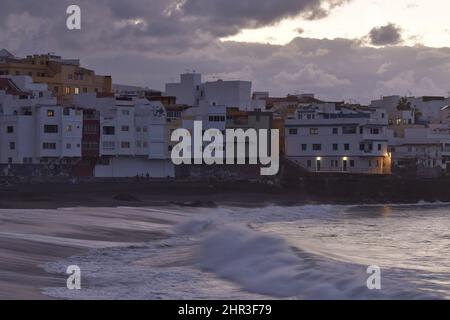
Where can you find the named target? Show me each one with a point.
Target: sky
(353, 50)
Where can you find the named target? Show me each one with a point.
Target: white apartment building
(419, 138)
(33, 128)
(191, 91)
(425, 149)
(341, 139)
(133, 139)
(188, 90)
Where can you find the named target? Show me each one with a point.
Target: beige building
(65, 78)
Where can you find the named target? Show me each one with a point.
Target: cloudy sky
(355, 50)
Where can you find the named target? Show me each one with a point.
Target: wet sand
(31, 238)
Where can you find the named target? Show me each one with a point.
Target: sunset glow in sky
(426, 22)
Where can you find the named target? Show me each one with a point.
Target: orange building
(64, 77)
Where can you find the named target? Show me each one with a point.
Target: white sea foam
(264, 264)
(272, 252)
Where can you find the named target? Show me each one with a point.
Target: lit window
(50, 113)
(77, 90)
(67, 90)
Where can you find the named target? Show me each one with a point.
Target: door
(345, 165)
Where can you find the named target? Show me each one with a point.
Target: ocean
(298, 252)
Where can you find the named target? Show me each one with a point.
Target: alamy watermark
(73, 21)
(74, 279)
(374, 281)
(236, 146)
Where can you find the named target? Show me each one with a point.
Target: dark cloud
(389, 34)
(226, 17)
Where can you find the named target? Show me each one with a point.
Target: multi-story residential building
(339, 138)
(132, 138)
(418, 133)
(422, 151)
(191, 91)
(64, 77)
(34, 129)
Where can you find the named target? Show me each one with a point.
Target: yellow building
(64, 77)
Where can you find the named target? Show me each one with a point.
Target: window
(362, 147)
(335, 130)
(126, 112)
(352, 163)
(317, 147)
(379, 147)
(68, 146)
(308, 163)
(375, 131)
(12, 146)
(50, 128)
(304, 147)
(125, 128)
(216, 118)
(293, 131)
(70, 76)
(109, 145)
(125, 145)
(109, 131)
(346, 147)
(138, 143)
(138, 129)
(349, 130)
(67, 90)
(10, 129)
(50, 113)
(77, 90)
(335, 147)
(313, 131)
(361, 130)
(85, 90)
(49, 146)
(144, 129)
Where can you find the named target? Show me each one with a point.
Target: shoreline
(159, 193)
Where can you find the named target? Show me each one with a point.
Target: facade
(99, 136)
(132, 137)
(419, 134)
(339, 139)
(34, 129)
(192, 92)
(65, 78)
